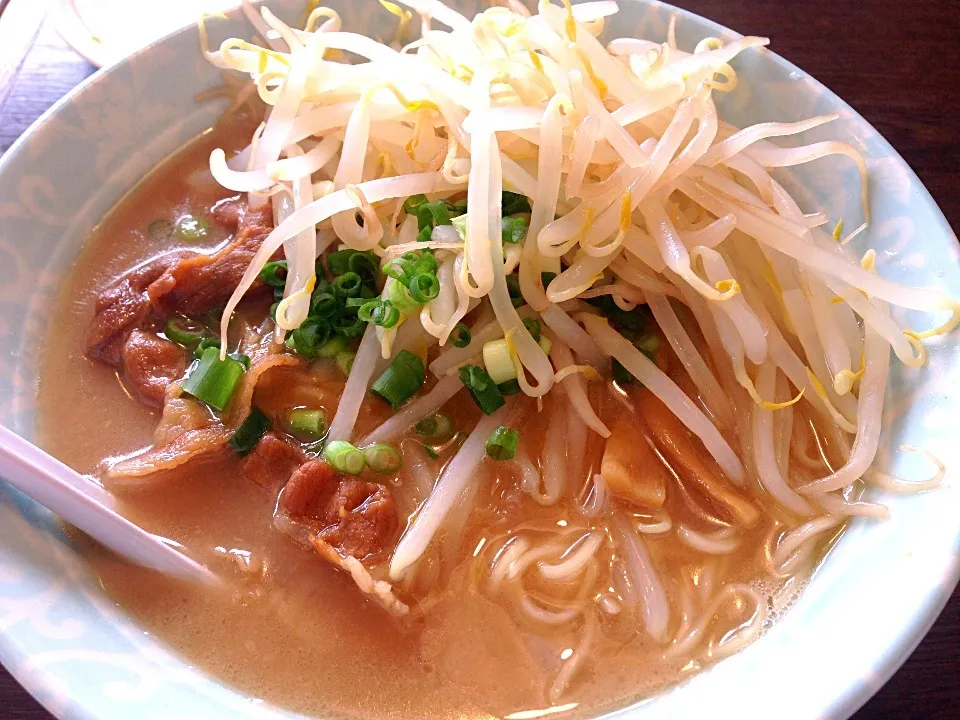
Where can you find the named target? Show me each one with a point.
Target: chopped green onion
(649, 343)
(240, 358)
(498, 360)
(533, 327)
(207, 342)
(310, 424)
(482, 388)
(345, 360)
(364, 264)
(513, 287)
(348, 285)
(545, 344)
(512, 230)
(339, 261)
(184, 331)
(512, 203)
(349, 325)
(213, 380)
(396, 269)
(425, 235)
(344, 457)
(460, 223)
(250, 431)
(401, 380)
(459, 207)
(424, 288)
(323, 303)
(400, 297)
(433, 213)
(438, 426)
(191, 228)
(547, 277)
(313, 333)
(502, 444)
(431, 452)
(274, 273)
(461, 335)
(383, 458)
(510, 387)
(332, 347)
(412, 203)
(423, 262)
(379, 312)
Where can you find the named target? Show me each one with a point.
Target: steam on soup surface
(518, 387)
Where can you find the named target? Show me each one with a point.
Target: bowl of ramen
(503, 361)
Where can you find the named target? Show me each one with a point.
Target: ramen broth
(295, 631)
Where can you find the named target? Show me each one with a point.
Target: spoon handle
(90, 508)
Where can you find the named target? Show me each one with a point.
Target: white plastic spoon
(89, 507)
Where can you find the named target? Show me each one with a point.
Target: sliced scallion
(344, 457)
(438, 426)
(339, 261)
(401, 380)
(184, 331)
(545, 344)
(413, 203)
(332, 347)
(348, 285)
(649, 343)
(349, 325)
(512, 230)
(433, 213)
(345, 360)
(510, 387)
(307, 423)
(274, 273)
(383, 458)
(213, 380)
(250, 431)
(502, 444)
(207, 342)
(533, 327)
(482, 388)
(512, 203)
(400, 297)
(379, 312)
(424, 287)
(498, 361)
(461, 335)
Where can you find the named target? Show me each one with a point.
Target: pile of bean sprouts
(639, 191)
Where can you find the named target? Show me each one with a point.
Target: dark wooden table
(896, 62)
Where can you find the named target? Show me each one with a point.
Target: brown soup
(296, 631)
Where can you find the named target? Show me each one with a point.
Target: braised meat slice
(201, 282)
(272, 461)
(354, 517)
(235, 214)
(124, 306)
(150, 364)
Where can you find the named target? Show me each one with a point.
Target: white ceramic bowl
(864, 611)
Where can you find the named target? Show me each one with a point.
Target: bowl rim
(843, 702)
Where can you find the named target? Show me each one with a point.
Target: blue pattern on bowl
(861, 615)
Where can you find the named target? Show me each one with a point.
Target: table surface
(894, 62)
